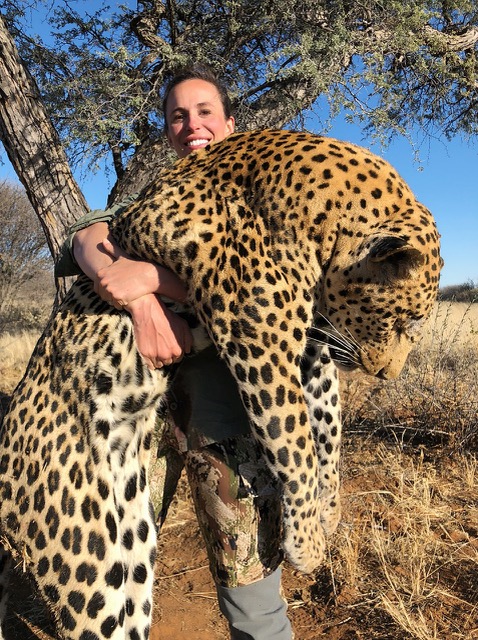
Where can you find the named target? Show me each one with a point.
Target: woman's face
(195, 116)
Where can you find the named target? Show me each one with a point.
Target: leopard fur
(300, 252)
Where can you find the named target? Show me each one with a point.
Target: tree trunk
(149, 159)
(34, 149)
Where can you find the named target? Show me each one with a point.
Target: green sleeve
(66, 264)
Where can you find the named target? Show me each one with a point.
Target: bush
(466, 292)
(24, 254)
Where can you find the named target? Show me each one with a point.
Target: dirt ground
(186, 604)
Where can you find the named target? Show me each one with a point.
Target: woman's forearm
(117, 277)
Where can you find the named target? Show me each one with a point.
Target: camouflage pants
(237, 504)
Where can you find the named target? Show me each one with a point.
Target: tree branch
(447, 42)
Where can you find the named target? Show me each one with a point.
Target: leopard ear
(395, 255)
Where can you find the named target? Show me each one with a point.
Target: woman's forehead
(193, 92)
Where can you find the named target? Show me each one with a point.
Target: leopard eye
(415, 327)
(411, 328)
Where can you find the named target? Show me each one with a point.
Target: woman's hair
(197, 71)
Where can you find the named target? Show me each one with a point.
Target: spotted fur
(299, 252)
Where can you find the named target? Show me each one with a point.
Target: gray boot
(256, 611)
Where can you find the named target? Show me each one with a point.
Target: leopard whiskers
(345, 348)
(344, 355)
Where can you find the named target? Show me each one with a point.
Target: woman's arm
(88, 251)
(117, 278)
(162, 336)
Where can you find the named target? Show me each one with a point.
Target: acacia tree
(94, 91)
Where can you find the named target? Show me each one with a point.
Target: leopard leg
(137, 530)
(79, 568)
(98, 578)
(272, 394)
(321, 390)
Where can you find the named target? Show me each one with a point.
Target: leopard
(303, 256)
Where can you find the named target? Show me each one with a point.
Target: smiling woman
(195, 117)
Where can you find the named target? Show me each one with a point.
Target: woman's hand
(126, 279)
(162, 336)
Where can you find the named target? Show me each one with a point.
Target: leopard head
(377, 296)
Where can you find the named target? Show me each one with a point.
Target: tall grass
(408, 545)
(406, 553)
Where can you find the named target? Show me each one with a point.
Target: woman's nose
(192, 122)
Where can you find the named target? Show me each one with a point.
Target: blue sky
(445, 180)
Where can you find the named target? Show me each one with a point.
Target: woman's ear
(230, 125)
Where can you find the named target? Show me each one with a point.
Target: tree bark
(34, 149)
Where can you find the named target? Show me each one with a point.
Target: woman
(225, 469)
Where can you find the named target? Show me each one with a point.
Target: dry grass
(15, 351)
(403, 564)
(452, 323)
(407, 549)
(436, 396)
(408, 544)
